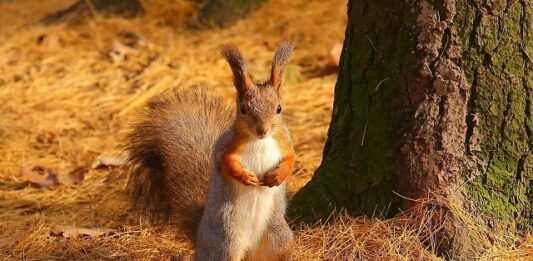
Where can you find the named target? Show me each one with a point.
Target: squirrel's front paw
(273, 178)
(248, 178)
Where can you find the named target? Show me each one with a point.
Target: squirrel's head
(259, 105)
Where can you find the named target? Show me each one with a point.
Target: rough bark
(431, 96)
(369, 112)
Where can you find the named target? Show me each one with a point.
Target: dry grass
(64, 101)
(411, 235)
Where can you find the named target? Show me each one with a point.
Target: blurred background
(73, 73)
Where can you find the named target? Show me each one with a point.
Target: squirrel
(218, 171)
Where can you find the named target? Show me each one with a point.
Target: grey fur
(217, 228)
(170, 151)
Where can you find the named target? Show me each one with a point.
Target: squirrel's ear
(241, 79)
(281, 57)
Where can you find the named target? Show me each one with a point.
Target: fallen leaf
(46, 137)
(51, 41)
(120, 51)
(74, 232)
(440, 176)
(46, 179)
(180, 257)
(106, 160)
(335, 54)
(9, 240)
(74, 177)
(132, 39)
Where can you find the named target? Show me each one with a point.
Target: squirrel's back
(170, 149)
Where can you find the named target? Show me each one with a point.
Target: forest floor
(69, 90)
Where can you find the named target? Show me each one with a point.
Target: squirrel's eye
(243, 110)
(279, 109)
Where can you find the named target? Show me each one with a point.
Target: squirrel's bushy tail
(170, 150)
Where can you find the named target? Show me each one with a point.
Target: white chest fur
(260, 156)
(253, 205)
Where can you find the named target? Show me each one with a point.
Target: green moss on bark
(357, 170)
(380, 86)
(496, 64)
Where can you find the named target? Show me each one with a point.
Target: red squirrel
(218, 172)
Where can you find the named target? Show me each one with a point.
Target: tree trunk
(431, 96)
(211, 12)
(83, 8)
(225, 12)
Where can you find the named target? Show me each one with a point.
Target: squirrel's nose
(261, 131)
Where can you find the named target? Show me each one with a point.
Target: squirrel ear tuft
(241, 79)
(281, 57)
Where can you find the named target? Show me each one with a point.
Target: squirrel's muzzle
(261, 131)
